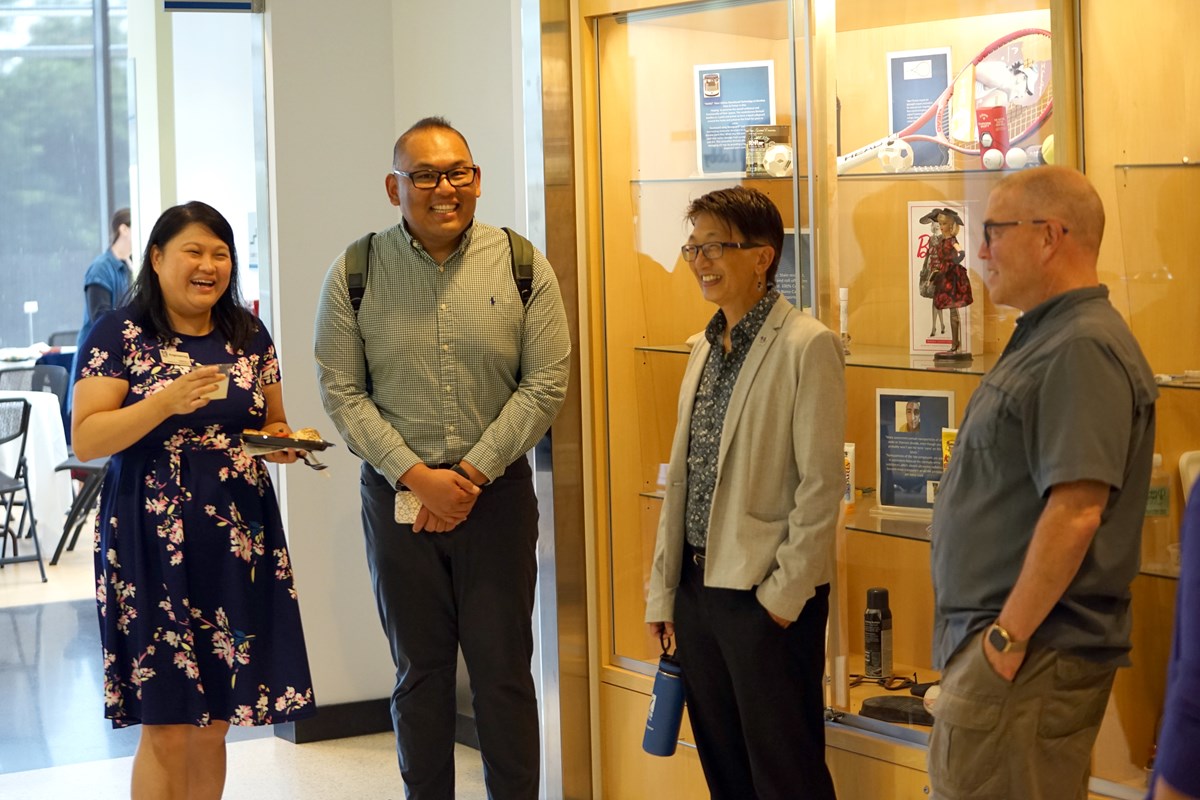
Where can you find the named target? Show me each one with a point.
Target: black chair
(14, 426)
(64, 338)
(92, 474)
(38, 378)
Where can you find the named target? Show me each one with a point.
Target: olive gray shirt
(459, 370)
(1070, 399)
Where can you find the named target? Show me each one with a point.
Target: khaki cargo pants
(1030, 739)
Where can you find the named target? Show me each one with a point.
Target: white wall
(473, 84)
(214, 123)
(344, 80)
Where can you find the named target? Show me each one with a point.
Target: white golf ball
(993, 159)
(1016, 158)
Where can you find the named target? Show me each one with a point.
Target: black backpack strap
(522, 264)
(358, 264)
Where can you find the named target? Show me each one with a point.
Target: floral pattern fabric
(199, 616)
(952, 285)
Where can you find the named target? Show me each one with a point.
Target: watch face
(998, 639)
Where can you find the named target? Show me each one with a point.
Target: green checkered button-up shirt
(459, 370)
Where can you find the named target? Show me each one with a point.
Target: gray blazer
(779, 471)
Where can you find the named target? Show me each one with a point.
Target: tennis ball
(993, 159)
(1015, 158)
(1048, 149)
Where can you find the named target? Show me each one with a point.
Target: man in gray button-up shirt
(1037, 524)
(464, 380)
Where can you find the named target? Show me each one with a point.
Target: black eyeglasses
(988, 227)
(430, 178)
(714, 250)
(892, 683)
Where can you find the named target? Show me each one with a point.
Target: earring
(759, 285)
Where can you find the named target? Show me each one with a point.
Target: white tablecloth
(45, 449)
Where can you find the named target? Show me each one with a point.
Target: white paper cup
(222, 390)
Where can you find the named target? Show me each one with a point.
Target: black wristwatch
(1003, 641)
(459, 469)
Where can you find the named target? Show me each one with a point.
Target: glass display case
(691, 98)
(874, 256)
(843, 75)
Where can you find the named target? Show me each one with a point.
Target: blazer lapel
(691, 383)
(754, 359)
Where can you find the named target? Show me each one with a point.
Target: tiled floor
(55, 742)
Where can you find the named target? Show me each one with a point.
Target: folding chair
(38, 378)
(14, 426)
(92, 473)
(41, 378)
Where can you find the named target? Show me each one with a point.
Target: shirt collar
(1060, 303)
(416, 245)
(1031, 320)
(747, 327)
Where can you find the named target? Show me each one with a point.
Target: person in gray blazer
(744, 553)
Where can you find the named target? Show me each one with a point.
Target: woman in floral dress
(198, 613)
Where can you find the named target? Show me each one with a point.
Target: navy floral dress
(199, 618)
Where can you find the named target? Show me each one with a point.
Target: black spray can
(877, 629)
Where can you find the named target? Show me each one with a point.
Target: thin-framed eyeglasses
(892, 683)
(713, 250)
(988, 227)
(430, 178)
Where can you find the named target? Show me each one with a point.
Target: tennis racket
(1011, 59)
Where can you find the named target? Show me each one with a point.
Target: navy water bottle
(666, 706)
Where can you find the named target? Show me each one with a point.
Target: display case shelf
(677, 349)
(740, 178)
(922, 174)
(881, 357)
(861, 517)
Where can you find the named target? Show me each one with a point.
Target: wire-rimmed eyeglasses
(714, 250)
(430, 178)
(988, 227)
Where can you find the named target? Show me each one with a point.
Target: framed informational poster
(930, 327)
(792, 282)
(916, 78)
(909, 424)
(728, 98)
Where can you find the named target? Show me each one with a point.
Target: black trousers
(754, 691)
(473, 587)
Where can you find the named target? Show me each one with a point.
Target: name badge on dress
(175, 358)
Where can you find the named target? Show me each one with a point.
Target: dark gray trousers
(472, 587)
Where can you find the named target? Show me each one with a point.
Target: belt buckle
(698, 558)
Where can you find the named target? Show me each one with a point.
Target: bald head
(1046, 225)
(428, 123)
(1060, 193)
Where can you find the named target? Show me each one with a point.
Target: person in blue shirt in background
(106, 281)
(1176, 776)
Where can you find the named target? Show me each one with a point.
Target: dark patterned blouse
(708, 411)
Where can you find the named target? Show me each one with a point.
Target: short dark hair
(120, 217)
(749, 212)
(427, 123)
(230, 315)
